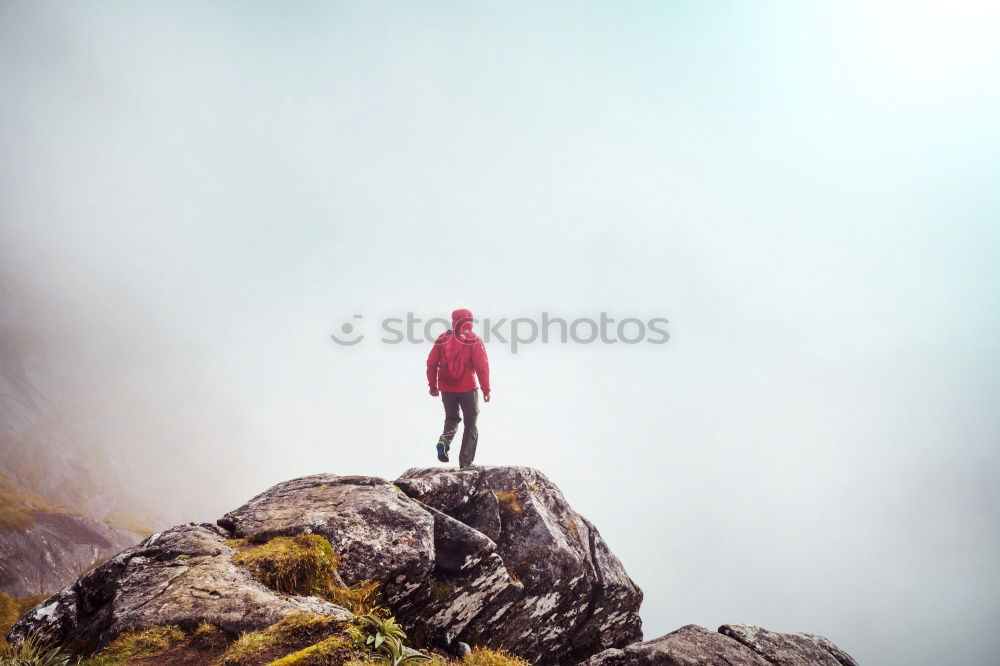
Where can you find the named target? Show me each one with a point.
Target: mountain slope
(64, 503)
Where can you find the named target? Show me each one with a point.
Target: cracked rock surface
(377, 532)
(538, 578)
(732, 645)
(181, 576)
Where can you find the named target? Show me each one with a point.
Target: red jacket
(475, 363)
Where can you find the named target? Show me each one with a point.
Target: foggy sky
(196, 195)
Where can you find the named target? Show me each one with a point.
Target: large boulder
(560, 594)
(732, 645)
(182, 576)
(377, 532)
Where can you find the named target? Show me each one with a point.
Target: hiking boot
(442, 451)
(465, 467)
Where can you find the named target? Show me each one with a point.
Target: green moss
(319, 653)
(249, 645)
(510, 504)
(305, 565)
(141, 644)
(162, 644)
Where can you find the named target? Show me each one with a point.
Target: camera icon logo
(348, 329)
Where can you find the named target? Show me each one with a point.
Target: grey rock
(377, 532)
(562, 594)
(53, 552)
(788, 649)
(468, 580)
(732, 645)
(690, 645)
(181, 576)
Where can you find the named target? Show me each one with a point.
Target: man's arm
(432, 368)
(482, 366)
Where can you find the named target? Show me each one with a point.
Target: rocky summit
(493, 556)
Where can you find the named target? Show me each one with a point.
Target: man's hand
(434, 393)
(486, 397)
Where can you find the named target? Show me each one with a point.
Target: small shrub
(385, 637)
(206, 628)
(360, 598)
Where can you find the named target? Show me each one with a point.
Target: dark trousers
(469, 403)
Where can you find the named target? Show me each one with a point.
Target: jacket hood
(461, 320)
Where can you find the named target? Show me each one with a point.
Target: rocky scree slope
(54, 550)
(493, 556)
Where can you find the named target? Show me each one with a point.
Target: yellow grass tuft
(302, 565)
(510, 504)
(481, 656)
(247, 646)
(11, 610)
(320, 653)
(143, 643)
(305, 565)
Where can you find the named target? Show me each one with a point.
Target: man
(457, 358)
